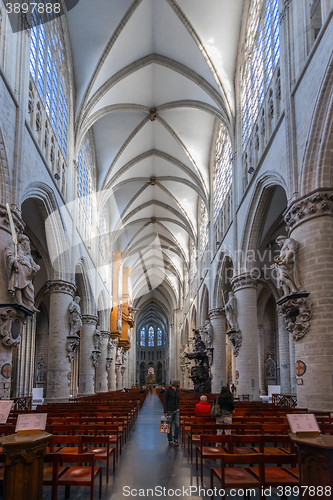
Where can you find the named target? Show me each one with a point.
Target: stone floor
(147, 462)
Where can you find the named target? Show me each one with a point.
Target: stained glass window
(41, 61)
(203, 228)
(151, 337)
(263, 47)
(143, 337)
(159, 336)
(222, 169)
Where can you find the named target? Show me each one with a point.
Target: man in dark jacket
(171, 410)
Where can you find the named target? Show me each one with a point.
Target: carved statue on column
(119, 360)
(75, 316)
(270, 367)
(72, 342)
(21, 268)
(230, 310)
(97, 339)
(294, 304)
(285, 266)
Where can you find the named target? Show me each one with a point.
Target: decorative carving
(17, 219)
(88, 319)
(236, 340)
(60, 286)
(119, 359)
(72, 342)
(108, 363)
(95, 355)
(314, 205)
(297, 310)
(215, 313)
(246, 280)
(21, 268)
(200, 372)
(11, 320)
(285, 266)
(41, 372)
(75, 316)
(152, 114)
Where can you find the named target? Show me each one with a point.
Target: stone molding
(215, 313)
(246, 280)
(59, 286)
(89, 319)
(316, 204)
(105, 334)
(236, 338)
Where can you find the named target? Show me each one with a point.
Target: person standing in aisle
(171, 410)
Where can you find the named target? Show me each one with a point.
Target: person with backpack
(226, 404)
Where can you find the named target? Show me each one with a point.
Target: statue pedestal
(315, 462)
(24, 465)
(292, 296)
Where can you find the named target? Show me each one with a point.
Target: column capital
(60, 286)
(105, 334)
(245, 280)
(89, 319)
(216, 313)
(315, 204)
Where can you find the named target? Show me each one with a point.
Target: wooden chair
(113, 432)
(244, 444)
(274, 429)
(238, 477)
(52, 472)
(210, 452)
(280, 445)
(101, 452)
(79, 475)
(64, 441)
(277, 476)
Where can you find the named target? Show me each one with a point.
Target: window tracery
(151, 335)
(159, 336)
(84, 179)
(143, 337)
(262, 49)
(48, 72)
(193, 261)
(222, 169)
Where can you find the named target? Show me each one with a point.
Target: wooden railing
(24, 403)
(284, 400)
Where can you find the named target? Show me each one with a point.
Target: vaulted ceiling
(152, 77)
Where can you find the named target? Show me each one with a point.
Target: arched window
(222, 169)
(84, 182)
(203, 228)
(143, 337)
(159, 337)
(47, 70)
(263, 49)
(151, 336)
(102, 234)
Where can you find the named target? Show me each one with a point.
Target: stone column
(284, 351)
(172, 353)
(247, 365)
(261, 361)
(101, 369)
(219, 365)
(119, 377)
(58, 386)
(310, 222)
(87, 369)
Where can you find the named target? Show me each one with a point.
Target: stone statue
(119, 359)
(41, 372)
(230, 310)
(285, 266)
(97, 339)
(20, 271)
(270, 366)
(75, 316)
(208, 331)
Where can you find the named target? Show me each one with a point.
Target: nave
(147, 462)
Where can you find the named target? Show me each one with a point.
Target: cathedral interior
(166, 172)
